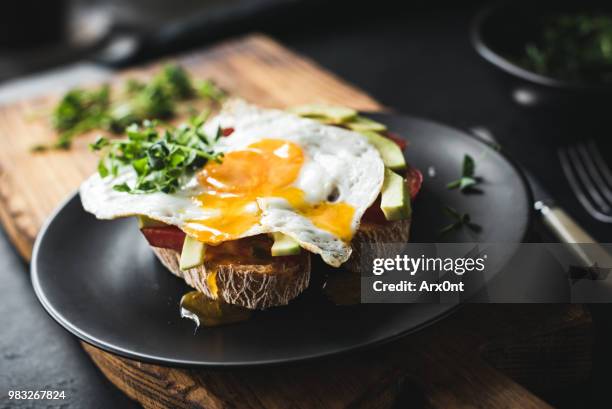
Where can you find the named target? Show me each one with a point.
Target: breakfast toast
(238, 216)
(271, 281)
(251, 282)
(274, 281)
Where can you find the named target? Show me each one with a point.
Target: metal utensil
(555, 218)
(589, 177)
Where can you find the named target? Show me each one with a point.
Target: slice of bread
(377, 235)
(264, 282)
(254, 286)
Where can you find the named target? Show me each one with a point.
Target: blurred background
(39, 35)
(417, 57)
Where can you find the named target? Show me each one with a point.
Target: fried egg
(279, 173)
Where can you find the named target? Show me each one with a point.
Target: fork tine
(595, 173)
(572, 179)
(573, 182)
(583, 175)
(604, 169)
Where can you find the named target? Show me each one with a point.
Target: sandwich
(239, 204)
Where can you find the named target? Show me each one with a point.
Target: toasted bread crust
(253, 286)
(274, 283)
(377, 235)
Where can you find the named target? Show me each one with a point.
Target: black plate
(100, 280)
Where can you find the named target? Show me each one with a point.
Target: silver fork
(589, 177)
(560, 223)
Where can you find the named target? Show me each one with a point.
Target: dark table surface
(37, 354)
(418, 61)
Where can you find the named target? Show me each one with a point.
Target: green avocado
(145, 222)
(391, 154)
(325, 113)
(284, 245)
(192, 254)
(361, 123)
(395, 199)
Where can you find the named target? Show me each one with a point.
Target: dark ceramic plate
(100, 280)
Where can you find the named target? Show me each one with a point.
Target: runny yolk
(267, 168)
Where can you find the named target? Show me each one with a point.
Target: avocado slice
(391, 154)
(395, 198)
(146, 222)
(192, 254)
(284, 245)
(325, 113)
(361, 123)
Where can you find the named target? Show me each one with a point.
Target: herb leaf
(82, 110)
(208, 89)
(468, 166)
(160, 159)
(176, 81)
(79, 111)
(467, 179)
(459, 220)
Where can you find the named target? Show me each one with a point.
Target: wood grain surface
(444, 366)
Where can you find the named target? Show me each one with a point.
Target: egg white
(339, 164)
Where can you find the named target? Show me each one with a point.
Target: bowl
(499, 34)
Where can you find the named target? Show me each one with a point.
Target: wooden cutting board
(441, 367)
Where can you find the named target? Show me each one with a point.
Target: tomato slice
(414, 178)
(374, 213)
(169, 237)
(227, 131)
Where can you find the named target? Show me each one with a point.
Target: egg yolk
(267, 168)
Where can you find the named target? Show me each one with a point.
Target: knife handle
(562, 224)
(568, 231)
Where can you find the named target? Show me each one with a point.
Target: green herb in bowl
(572, 47)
